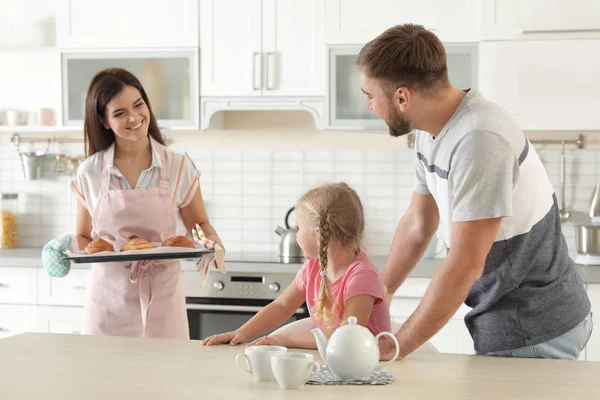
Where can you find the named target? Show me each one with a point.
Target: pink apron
(139, 298)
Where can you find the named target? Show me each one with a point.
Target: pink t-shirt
(361, 277)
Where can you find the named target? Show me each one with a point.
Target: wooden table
(63, 367)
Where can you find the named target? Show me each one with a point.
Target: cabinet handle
(270, 70)
(3, 330)
(3, 285)
(533, 31)
(254, 85)
(80, 287)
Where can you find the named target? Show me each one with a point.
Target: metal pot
(289, 250)
(587, 239)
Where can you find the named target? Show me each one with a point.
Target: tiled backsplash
(248, 191)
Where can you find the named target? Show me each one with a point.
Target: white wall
(254, 170)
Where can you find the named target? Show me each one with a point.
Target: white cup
(258, 361)
(292, 370)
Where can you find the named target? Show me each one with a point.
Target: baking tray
(157, 253)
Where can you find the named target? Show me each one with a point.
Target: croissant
(179, 241)
(135, 243)
(98, 245)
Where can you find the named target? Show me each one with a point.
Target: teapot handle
(287, 216)
(395, 342)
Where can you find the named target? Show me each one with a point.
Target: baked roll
(136, 243)
(98, 245)
(179, 241)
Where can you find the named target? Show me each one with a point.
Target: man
(480, 177)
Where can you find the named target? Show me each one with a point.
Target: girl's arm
(195, 213)
(359, 306)
(270, 317)
(83, 226)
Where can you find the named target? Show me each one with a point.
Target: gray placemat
(326, 377)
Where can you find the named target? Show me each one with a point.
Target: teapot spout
(280, 231)
(321, 342)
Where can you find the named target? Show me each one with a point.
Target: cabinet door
(544, 84)
(131, 23)
(18, 285)
(169, 77)
(68, 291)
(593, 346)
(230, 48)
(454, 337)
(17, 319)
(357, 22)
(61, 319)
(293, 48)
(529, 19)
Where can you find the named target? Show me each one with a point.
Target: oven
(227, 301)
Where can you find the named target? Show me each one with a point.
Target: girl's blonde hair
(337, 211)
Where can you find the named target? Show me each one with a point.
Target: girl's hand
(274, 340)
(233, 338)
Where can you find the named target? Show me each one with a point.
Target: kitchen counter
(65, 367)
(31, 257)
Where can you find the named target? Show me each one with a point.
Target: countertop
(31, 257)
(65, 367)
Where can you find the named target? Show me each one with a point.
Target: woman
(131, 184)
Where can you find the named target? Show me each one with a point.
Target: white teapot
(352, 352)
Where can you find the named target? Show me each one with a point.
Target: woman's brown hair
(337, 211)
(105, 85)
(406, 55)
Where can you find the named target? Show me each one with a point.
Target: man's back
(482, 166)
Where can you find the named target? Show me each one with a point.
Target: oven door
(209, 316)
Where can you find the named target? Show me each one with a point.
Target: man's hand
(387, 349)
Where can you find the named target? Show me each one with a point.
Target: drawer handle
(3, 285)
(80, 287)
(3, 330)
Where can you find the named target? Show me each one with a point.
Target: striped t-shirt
(482, 166)
(183, 179)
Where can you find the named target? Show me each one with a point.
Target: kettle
(352, 352)
(289, 250)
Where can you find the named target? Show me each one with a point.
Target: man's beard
(398, 124)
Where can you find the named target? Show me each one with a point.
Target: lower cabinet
(15, 319)
(593, 346)
(60, 319)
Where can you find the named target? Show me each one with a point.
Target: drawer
(18, 285)
(17, 319)
(67, 291)
(403, 307)
(413, 287)
(61, 319)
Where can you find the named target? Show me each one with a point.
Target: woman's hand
(233, 338)
(275, 340)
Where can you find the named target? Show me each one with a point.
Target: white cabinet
(131, 23)
(262, 48)
(18, 285)
(358, 22)
(540, 19)
(454, 337)
(60, 319)
(545, 84)
(169, 77)
(17, 319)
(593, 346)
(68, 291)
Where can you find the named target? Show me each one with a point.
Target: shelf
(41, 128)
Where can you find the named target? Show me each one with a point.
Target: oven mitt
(53, 255)
(209, 260)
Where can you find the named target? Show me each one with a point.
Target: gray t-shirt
(481, 166)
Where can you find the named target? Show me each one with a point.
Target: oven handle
(222, 307)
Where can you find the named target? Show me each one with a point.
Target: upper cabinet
(544, 84)
(132, 23)
(262, 48)
(540, 19)
(357, 21)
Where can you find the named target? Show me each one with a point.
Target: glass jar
(8, 222)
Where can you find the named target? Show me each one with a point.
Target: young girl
(337, 280)
(130, 184)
